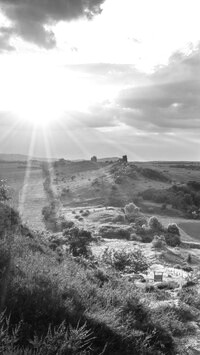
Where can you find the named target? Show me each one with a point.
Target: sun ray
(10, 131)
(23, 191)
(48, 157)
(66, 129)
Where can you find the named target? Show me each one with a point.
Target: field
(26, 190)
(192, 228)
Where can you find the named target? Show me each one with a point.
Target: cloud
(170, 100)
(31, 18)
(5, 36)
(110, 73)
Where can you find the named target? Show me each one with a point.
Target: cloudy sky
(112, 77)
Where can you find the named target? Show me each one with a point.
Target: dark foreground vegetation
(56, 301)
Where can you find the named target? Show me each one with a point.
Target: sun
(42, 93)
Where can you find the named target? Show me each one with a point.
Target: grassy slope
(26, 187)
(74, 292)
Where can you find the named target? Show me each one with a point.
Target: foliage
(184, 197)
(191, 297)
(189, 258)
(97, 304)
(154, 224)
(172, 228)
(64, 340)
(140, 221)
(79, 240)
(60, 339)
(111, 231)
(131, 212)
(125, 260)
(9, 219)
(172, 240)
(158, 242)
(4, 191)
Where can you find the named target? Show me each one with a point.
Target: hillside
(93, 259)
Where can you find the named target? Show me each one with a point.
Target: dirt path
(32, 199)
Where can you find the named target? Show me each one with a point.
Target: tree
(4, 191)
(154, 224)
(79, 240)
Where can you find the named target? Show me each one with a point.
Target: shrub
(131, 211)
(154, 224)
(140, 221)
(110, 231)
(4, 191)
(177, 266)
(125, 260)
(9, 219)
(186, 313)
(63, 340)
(191, 297)
(158, 242)
(120, 218)
(79, 240)
(172, 228)
(169, 285)
(187, 268)
(86, 213)
(189, 258)
(58, 340)
(66, 224)
(135, 237)
(172, 240)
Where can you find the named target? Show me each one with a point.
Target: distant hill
(20, 157)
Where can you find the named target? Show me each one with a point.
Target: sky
(100, 77)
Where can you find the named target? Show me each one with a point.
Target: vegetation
(4, 191)
(184, 197)
(56, 297)
(125, 261)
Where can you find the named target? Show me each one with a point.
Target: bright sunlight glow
(40, 95)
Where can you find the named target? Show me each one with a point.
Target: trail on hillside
(32, 199)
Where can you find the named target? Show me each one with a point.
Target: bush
(191, 297)
(9, 219)
(86, 213)
(66, 224)
(170, 285)
(60, 339)
(120, 218)
(131, 211)
(187, 268)
(79, 240)
(172, 228)
(125, 260)
(135, 237)
(110, 231)
(4, 191)
(140, 221)
(189, 258)
(155, 225)
(172, 240)
(158, 242)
